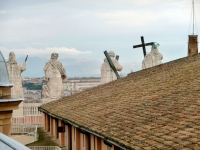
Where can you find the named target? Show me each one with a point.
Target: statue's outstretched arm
(161, 56)
(63, 74)
(117, 65)
(23, 68)
(46, 66)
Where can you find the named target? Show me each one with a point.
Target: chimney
(193, 45)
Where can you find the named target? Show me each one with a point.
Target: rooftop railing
(25, 134)
(27, 114)
(44, 148)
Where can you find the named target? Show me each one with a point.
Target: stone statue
(45, 91)
(153, 58)
(54, 73)
(107, 73)
(14, 72)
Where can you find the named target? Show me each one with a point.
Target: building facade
(75, 85)
(73, 137)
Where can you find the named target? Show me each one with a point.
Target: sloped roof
(4, 78)
(155, 108)
(7, 143)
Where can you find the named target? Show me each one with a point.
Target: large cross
(111, 63)
(143, 45)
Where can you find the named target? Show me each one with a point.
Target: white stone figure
(153, 58)
(14, 72)
(55, 74)
(107, 73)
(45, 91)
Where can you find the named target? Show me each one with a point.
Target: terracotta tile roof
(156, 108)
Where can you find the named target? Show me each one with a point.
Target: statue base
(47, 100)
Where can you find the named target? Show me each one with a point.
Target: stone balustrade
(27, 114)
(44, 148)
(25, 134)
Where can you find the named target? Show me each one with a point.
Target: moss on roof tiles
(157, 107)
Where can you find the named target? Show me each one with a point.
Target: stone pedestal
(47, 100)
(6, 109)
(7, 104)
(5, 122)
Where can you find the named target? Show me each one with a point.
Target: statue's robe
(152, 59)
(54, 73)
(107, 73)
(14, 72)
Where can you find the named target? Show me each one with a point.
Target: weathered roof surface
(4, 78)
(156, 108)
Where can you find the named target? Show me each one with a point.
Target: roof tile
(155, 108)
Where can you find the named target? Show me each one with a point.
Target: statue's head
(111, 54)
(54, 55)
(154, 47)
(12, 56)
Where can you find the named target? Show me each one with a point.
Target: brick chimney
(193, 45)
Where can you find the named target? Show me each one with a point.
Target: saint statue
(153, 58)
(55, 74)
(107, 73)
(14, 72)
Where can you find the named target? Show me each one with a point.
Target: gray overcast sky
(83, 29)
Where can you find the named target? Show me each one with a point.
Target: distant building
(75, 85)
(32, 94)
(33, 80)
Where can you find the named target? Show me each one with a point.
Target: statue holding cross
(153, 58)
(14, 72)
(110, 67)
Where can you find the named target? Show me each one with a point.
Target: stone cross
(111, 63)
(143, 45)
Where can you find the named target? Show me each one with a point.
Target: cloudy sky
(83, 29)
